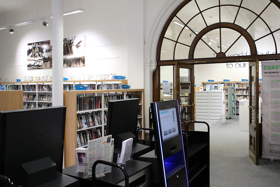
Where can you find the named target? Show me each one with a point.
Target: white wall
(108, 40)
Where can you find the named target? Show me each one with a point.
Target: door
(254, 129)
(184, 91)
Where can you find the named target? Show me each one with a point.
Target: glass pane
(245, 18)
(166, 81)
(258, 29)
(256, 5)
(213, 39)
(182, 52)
(185, 92)
(266, 45)
(271, 16)
(228, 37)
(228, 13)
(197, 24)
(233, 2)
(203, 51)
(167, 50)
(206, 4)
(252, 94)
(277, 38)
(174, 29)
(211, 16)
(188, 11)
(240, 48)
(187, 37)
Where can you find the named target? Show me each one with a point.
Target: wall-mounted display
(74, 51)
(39, 55)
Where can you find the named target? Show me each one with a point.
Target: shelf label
(210, 80)
(244, 80)
(226, 80)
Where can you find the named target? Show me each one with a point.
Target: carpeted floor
(230, 164)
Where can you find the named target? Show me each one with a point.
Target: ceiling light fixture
(2, 28)
(75, 11)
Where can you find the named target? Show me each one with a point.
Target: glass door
(254, 129)
(185, 91)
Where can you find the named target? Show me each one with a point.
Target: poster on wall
(271, 109)
(74, 51)
(39, 55)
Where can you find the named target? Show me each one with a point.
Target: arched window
(221, 28)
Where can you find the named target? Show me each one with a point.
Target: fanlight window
(229, 20)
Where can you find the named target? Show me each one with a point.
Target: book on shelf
(84, 137)
(88, 102)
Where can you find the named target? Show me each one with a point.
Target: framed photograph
(39, 55)
(74, 51)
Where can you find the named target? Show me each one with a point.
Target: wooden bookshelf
(38, 94)
(70, 101)
(11, 100)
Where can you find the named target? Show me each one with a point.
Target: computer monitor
(122, 120)
(169, 143)
(29, 135)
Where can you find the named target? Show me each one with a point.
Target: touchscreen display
(169, 123)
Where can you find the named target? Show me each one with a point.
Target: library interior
(140, 93)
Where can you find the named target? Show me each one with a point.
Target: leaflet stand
(169, 144)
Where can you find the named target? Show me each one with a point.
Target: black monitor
(30, 135)
(169, 143)
(122, 120)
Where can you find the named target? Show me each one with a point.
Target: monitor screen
(169, 123)
(122, 118)
(29, 135)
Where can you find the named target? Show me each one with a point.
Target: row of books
(84, 137)
(90, 120)
(68, 87)
(45, 88)
(13, 87)
(88, 102)
(245, 92)
(29, 97)
(45, 98)
(44, 105)
(28, 87)
(29, 105)
(241, 85)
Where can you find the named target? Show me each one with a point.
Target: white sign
(271, 109)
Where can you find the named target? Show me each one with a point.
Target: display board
(271, 109)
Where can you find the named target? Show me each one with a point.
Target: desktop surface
(132, 167)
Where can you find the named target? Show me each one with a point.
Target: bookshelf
(230, 101)
(75, 111)
(39, 94)
(241, 92)
(11, 100)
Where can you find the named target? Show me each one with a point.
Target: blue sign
(244, 80)
(260, 79)
(210, 80)
(226, 80)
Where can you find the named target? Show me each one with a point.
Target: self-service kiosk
(169, 144)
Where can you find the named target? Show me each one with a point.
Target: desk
(135, 170)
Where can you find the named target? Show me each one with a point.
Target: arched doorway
(216, 31)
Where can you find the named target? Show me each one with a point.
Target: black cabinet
(197, 156)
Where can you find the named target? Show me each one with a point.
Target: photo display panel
(169, 123)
